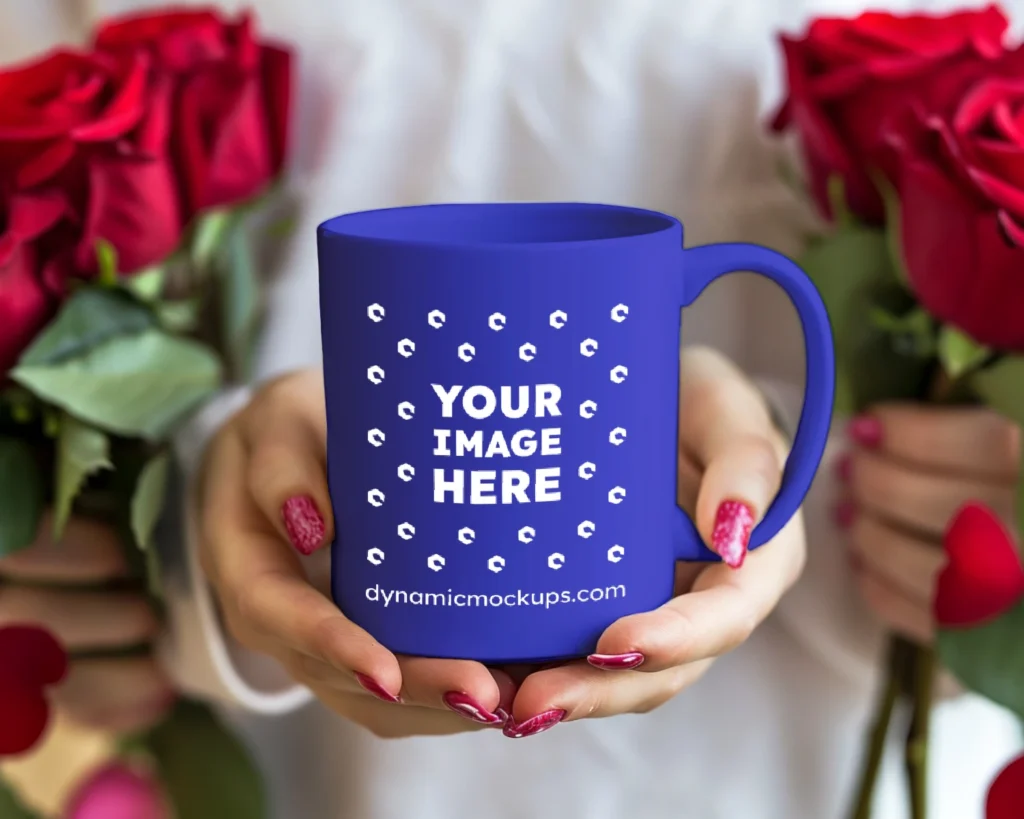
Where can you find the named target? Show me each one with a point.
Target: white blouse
(657, 103)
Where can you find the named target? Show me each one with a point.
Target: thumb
(726, 429)
(285, 436)
(738, 485)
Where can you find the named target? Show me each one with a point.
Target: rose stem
(895, 671)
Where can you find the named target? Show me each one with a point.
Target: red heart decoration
(983, 577)
(30, 659)
(1006, 796)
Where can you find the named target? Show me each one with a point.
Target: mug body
(501, 385)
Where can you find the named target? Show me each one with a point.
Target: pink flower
(118, 792)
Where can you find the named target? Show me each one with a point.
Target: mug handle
(702, 266)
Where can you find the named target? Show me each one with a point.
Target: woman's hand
(62, 587)
(730, 466)
(909, 471)
(264, 487)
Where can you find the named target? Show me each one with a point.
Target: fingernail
(375, 688)
(304, 523)
(844, 468)
(616, 662)
(866, 430)
(733, 524)
(465, 706)
(844, 514)
(534, 725)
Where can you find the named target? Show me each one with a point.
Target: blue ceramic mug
(502, 385)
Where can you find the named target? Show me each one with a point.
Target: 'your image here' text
(489, 486)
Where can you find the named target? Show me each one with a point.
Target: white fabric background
(658, 103)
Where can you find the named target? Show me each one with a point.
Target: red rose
(231, 115)
(30, 660)
(94, 127)
(1006, 795)
(983, 577)
(959, 170)
(847, 77)
(25, 304)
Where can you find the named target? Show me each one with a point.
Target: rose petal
(937, 35)
(133, 204)
(46, 163)
(1000, 192)
(124, 112)
(937, 236)
(181, 39)
(975, 106)
(1002, 159)
(1006, 796)
(31, 656)
(24, 714)
(277, 66)
(225, 147)
(32, 214)
(35, 107)
(1012, 228)
(25, 305)
(983, 577)
(994, 301)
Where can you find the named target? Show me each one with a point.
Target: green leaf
(81, 451)
(21, 495)
(988, 659)
(207, 772)
(836, 192)
(179, 316)
(959, 353)
(852, 270)
(89, 318)
(11, 807)
(893, 228)
(913, 333)
(106, 258)
(148, 285)
(141, 385)
(210, 233)
(1001, 387)
(154, 574)
(240, 302)
(148, 499)
(281, 228)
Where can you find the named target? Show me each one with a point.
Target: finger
(923, 501)
(468, 688)
(116, 695)
(285, 435)
(82, 620)
(261, 582)
(388, 722)
(88, 552)
(907, 617)
(909, 564)
(726, 427)
(718, 615)
(584, 692)
(972, 441)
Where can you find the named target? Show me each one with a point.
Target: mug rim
(373, 226)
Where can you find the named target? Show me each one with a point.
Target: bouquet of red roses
(130, 176)
(912, 135)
